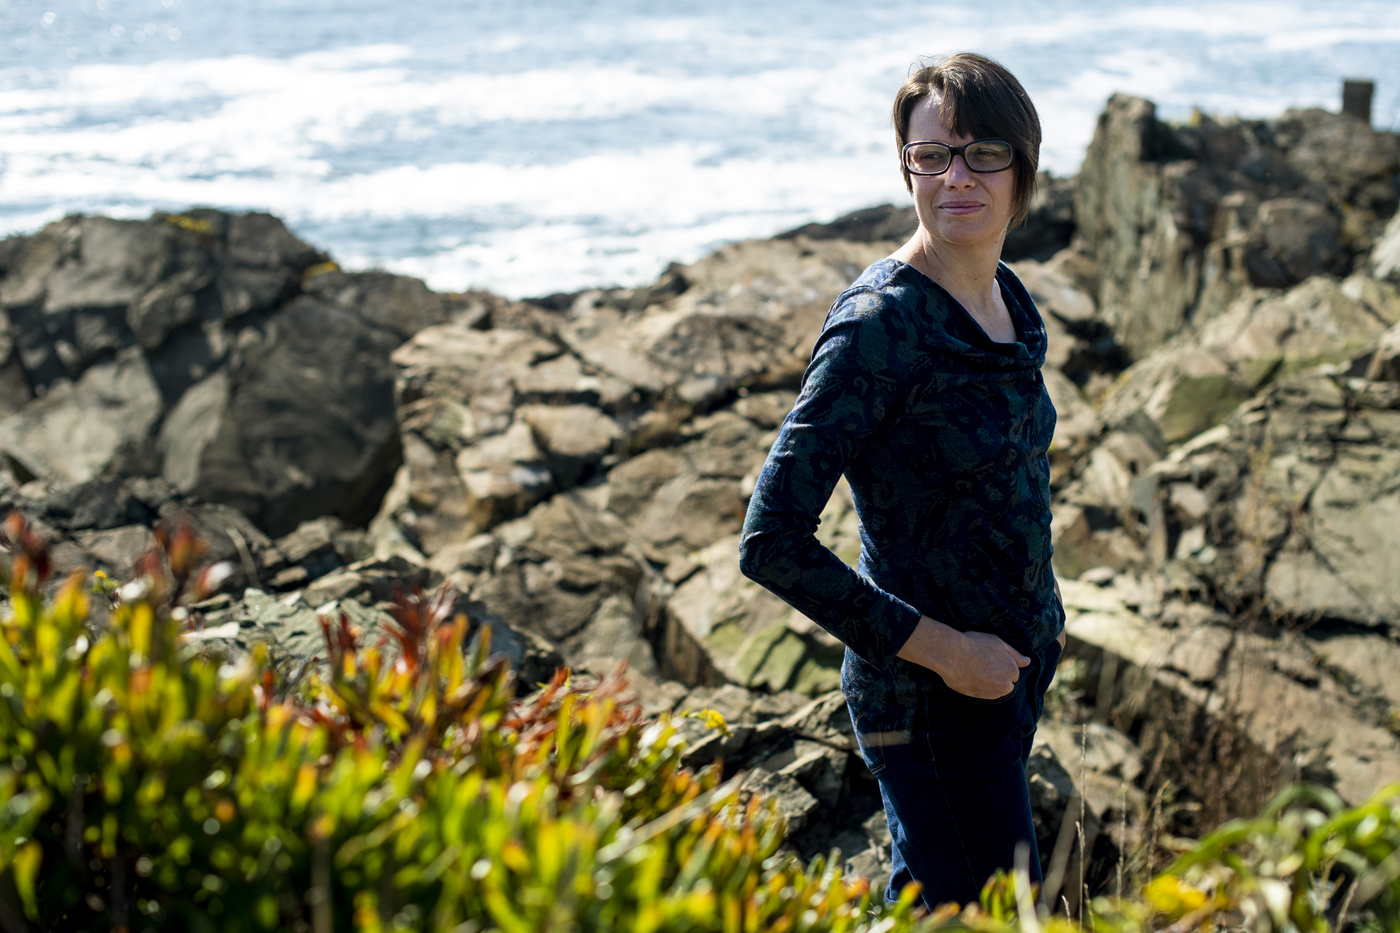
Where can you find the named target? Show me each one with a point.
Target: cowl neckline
(956, 323)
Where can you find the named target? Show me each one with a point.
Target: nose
(958, 174)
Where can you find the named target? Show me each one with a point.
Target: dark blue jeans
(956, 794)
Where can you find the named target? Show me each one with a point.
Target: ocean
(536, 146)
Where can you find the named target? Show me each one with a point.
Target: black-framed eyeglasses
(981, 155)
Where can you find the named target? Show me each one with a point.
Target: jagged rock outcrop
(1197, 379)
(1288, 508)
(215, 350)
(1179, 220)
(1181, 676)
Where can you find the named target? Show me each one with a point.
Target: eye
(928, 158)
(989, 154)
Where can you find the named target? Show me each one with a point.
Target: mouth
(959, 208)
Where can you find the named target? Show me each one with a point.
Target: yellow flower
(714, 719)
(1174, 897)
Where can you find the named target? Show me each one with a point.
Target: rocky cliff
(1225, 359)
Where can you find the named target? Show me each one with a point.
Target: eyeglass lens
(982, 155)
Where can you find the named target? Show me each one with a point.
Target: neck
(965, 271)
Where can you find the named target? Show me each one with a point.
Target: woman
(925, 391)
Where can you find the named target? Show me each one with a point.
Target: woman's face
(960, 207)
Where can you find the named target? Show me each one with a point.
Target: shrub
(1308, 863)
(146, 783)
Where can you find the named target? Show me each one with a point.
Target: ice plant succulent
(149, 784)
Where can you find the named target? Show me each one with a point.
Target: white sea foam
(572, 144)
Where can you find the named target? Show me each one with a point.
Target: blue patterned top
(942, 434)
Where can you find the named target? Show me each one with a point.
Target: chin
(962, 237)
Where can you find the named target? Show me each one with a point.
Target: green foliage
(145, 784)
(1287, 868)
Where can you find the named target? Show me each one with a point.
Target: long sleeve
(857, 380)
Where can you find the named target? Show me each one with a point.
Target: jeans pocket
(942, 687)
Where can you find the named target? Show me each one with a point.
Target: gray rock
(301, 424)
(1200, 655)
(1385, 257)
(613, 635)
(116, 550)
(1385, 362)
(746, 319)
(316, 548)
(1370, 663)
(765, 409)
(281, 408)
(1198, 379)
(503, 476)
(731, 701)
(793, 802)
(86, 286)
(476, 553)
(719, 626)
(1182, 220)
(1122, 207)
(1281, 720)
(825, 719)
(632, 483)
(1047, 229)
(1086, 540)
(1294, 239)
(573, 437)
(396, 303)
(79, 431)
(872, 861)
(1051, 790)
(15, 392)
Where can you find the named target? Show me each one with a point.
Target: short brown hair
(979, 98)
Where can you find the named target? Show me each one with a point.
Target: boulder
(78, 431)
(471, 461)
(1124, 208)
(397, 303)
(1181, 220)
(747, 318)
(86, 286)
(15, 392)
(1280, 719)
(300, 423)
(1076, 422)
(314, 549)
(1366, 664)
(885, 223)
(215, 350)
(1050, 224)
(1197, 379)
(1294, 239)
(503, 475)
(1290, 502)
(720, 627)
(574, 438)
(554, 572)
